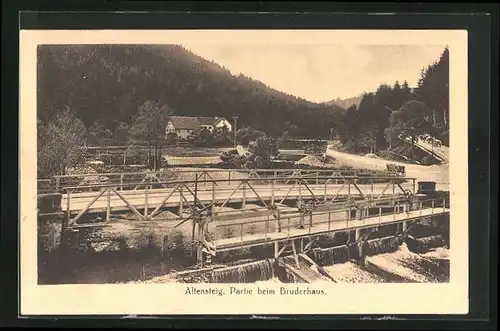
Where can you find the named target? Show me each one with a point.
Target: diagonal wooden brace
(257, 194)
(338, 192)
(83, 211)
(359, 190)
(132, 208)
(287, 193)
(230, 195)
(157, 209)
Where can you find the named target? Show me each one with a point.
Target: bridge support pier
(354, 235)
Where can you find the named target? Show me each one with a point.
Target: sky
(320, 73)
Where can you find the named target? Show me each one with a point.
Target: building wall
(209, 127)
(169, 128)
(183, 133)
(226, 123)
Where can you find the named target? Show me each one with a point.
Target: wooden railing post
(68, 205)
(241, 233)
(272, 190)
(213, 193)
(146, 200)
(300, 189)
(288, 226)
(266, 227)
(108, 208)
(181, 202)
(348, 217)
(244, 202)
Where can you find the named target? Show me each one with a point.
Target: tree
(98, 133)
(121, 132)
(245, 135)
(350, 128)
(201, 137)
(60, 144)
(374, 117)
(148, 126)
(222, 136)
(406, 92)
(408, 122)
(433, 89)
(260, 153)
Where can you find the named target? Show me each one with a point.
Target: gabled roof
(184, 122)
(219, 119)
(208, 120)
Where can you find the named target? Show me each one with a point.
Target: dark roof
(184, 122)
(207, 120)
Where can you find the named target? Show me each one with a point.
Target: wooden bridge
(272, 207)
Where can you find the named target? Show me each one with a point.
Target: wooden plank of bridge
(320, 228)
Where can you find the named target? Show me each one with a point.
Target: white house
(221, 122)
(184, 125)
(210, 123)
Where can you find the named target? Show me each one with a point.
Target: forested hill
(108, 83)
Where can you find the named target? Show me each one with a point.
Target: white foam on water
(350, 273)
(438, 253)
(393, 263)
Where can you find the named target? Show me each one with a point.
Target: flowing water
(245, 273)
(386, 260)
(409, 266)
(351, 272)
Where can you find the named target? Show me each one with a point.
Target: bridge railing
(148, 202)
(324, 221)
(134, 180)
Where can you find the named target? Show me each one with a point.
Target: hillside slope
(109, 83)
(345, 103)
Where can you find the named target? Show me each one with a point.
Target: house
(211, 123)
(184, 125)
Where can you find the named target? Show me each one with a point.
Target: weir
(311, 267)
(302, 269)
(245, 273)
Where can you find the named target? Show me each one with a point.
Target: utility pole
(235, 119)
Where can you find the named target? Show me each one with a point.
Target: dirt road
(437, 173)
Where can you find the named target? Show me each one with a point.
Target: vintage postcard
(243, 172)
